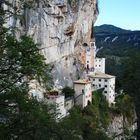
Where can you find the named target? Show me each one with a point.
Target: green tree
(125, 106)
(20, 61)
(71, 126)
(100, 102)
(68, 92)
(82, 124)
(131, 82)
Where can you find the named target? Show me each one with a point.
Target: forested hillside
(23, 117)
(121, 48)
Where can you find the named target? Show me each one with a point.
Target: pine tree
(20, 61)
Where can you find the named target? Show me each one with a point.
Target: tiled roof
(82, 81)
(101, 75)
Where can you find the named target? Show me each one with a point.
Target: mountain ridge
(108, 35)
(108, 28)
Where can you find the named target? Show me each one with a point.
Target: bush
(68, 92)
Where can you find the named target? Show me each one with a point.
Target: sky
(121, 13)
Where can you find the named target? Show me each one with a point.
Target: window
(94, 85)
(82, 90)
(92, 44)
(105, 85)
(99, 65)
(99, 85)
(105, 91)
(87, 61)
(105, 80)
(93, 79)
(99, 80)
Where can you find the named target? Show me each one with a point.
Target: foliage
(100, 102)
(24, 118)
(98, 135)
(90, 121)
(122, 60)
(30, 121)
(71, 126)
(125, 105)
(131, 80)
(83, 124)
(91, 116)
(21, 117)
(20, 61)
(131, 75)
(68, 92)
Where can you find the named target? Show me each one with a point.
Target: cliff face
(119, 129)
(60, 26)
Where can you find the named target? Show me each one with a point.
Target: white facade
(93, 45)
(97, 75)
(83, 93)
(90, 55)
(58, 101)
(99, 65)
(105, 82)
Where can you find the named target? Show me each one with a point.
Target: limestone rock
(57, 26)
(115, 129)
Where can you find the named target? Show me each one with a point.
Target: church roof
(92, 40)
(101, 75)
(82, 81)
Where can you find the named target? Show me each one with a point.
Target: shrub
(68, 92)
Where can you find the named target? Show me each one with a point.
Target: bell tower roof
(92, 40)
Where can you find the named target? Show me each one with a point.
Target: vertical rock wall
(59, 26)
(120, 129)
